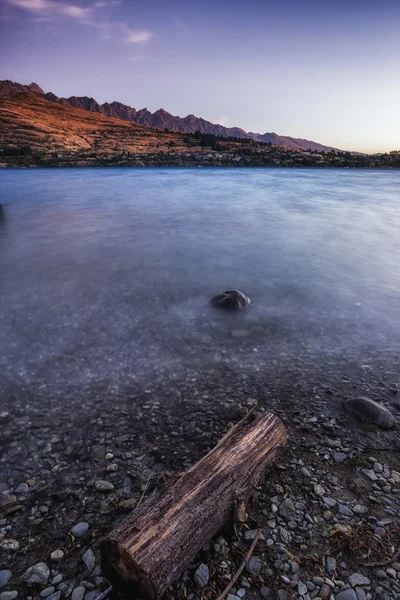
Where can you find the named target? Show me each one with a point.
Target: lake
(106, 274)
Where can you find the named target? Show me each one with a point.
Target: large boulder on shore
(231, 299)
(369, 411)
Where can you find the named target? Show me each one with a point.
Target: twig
(240, 569)
(384, 563)
(144, 491)
(104, 594)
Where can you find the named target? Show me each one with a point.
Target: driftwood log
(147, 552)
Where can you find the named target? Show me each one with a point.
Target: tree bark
(147, 552)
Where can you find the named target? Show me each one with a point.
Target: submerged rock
(369, 411)
(231, 299)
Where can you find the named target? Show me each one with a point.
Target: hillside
(162, 119)
(27, 120)
(37, 132)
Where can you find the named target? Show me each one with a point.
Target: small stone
(232, 597)
(5, 577)
(330, 565)
(78, 593)
(103, 486)
(330, 502)
(250, 534)
(10, 545)
(22, 488)
(302, 588)
(9, 595)
(370, 474)
(92, 595)
(287, 509)
(285, 535)
(264, 591)
(318, 581)
(377, 467)
(319, 490)
(80, 529)
(380, 574)
(305, 472)
(241, 593)
(295, 567)
(47, 592)
(57, 579)
(128, 503)
(283, 595)
(202, 575)
(359, 509)
(344, 510)
(358, 579)
(55, 596)
(89, 559)
(325, 591)
(346, 595)
(310, 586)
(254, 565)
(391, 572)
(361, 595)
(56, 555)
(38, 573)
(339, 457)
(4, 417)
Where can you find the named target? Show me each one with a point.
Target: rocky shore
(72, 465)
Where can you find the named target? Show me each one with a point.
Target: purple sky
(324, 70)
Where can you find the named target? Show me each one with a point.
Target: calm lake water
(106, 274)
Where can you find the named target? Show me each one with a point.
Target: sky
(325, 70)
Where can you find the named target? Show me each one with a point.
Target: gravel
(254, 565)
(5, 577)
(89, 559)
(358, 579)
(78, 593)
(9, 595)
(202, 575)
(57, 555)
(38, 573)
(79, 529)
(346, 595)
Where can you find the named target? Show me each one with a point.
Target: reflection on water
(108, 272)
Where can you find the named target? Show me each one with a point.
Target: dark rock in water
(369, 411)
(231, 299)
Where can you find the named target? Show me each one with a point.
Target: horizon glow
(321, 70)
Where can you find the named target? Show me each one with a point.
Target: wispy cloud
(106, 3)
(92, 16)
(49, 7)
(137, 36)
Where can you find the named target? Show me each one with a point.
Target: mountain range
(159, 119)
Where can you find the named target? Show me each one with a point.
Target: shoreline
(192, 166)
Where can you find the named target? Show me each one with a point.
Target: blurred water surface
(107, 273)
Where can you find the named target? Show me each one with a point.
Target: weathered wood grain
(147, 552)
